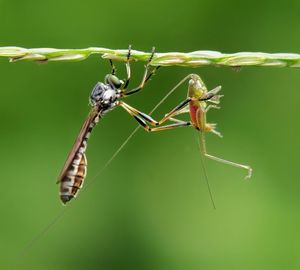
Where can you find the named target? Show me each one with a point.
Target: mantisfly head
(104, 95)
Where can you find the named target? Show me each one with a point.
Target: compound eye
(114, 81)
(96, 93)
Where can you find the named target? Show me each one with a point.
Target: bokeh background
(150, 209)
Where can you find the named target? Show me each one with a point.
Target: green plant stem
(191, 59)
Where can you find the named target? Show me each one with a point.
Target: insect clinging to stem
(104, 97)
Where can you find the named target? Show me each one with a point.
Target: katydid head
(197, 87)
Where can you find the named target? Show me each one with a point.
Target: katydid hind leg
(201, 149)
(224, 161)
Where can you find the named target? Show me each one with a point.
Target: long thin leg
(113, 68)
(185, 109)
(175, 111)
(246, 167)
(211, 107)
(176, 120)
(128, 70)
(134, 112)
(166, 127)
(146, 76)
(141, 118)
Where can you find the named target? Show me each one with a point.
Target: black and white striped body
(103, 99)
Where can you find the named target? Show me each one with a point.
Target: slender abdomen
(74, 172)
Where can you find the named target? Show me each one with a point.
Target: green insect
(198, 102)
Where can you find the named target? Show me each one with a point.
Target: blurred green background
(150, 209)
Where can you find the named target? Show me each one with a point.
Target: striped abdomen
(74, 172)
(75, 175)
